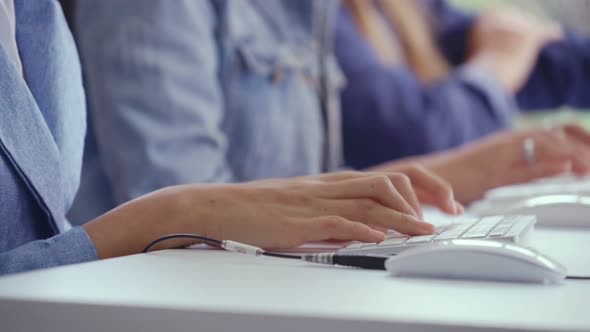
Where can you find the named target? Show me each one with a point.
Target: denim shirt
(42, 125)
(204, 91)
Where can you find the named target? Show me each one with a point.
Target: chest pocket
(277, 63)
(273, 113)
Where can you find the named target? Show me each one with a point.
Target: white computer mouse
(570, 210)
(476, 260)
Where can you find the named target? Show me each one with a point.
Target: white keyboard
(559, 185)
(512, 229)
(510, 199)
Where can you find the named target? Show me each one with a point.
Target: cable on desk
(578, 277)
(205, 239)
(328, 258)
(364, 262)
(278, 255)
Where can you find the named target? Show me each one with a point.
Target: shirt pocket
(275, 63)
(274, 119)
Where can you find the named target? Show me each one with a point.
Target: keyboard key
(356, 245)
(465, 221)
(459, 222)
(510, 221)
(508, 229)
(420, 239)
(395, 235)
(490, 222)
(393, 241)
(499, 231)
(463, 226)
(476, 232)
(447, 236)
(517, 229)
(454, 232)
(459, 227)
(369, 245)
(482, 228)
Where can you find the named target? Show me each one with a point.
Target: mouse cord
(328, 258)
(578, 277)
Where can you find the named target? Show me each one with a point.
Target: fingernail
(420, 213)
(428, 227)
(451, 204)
(377, 235)
(460, 208)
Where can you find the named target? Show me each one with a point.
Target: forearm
(399, 117)
(500, 67)
(458, 167)
(129, 228)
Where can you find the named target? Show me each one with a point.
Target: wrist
(127, 229)
(497, 65)
(191, 209)
(455, 168)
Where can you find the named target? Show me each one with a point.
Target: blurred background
(573, 13)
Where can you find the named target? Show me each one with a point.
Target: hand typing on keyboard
(499, 228)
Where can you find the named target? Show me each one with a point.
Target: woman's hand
(500, 160)
(272, 214)
(507, 43)
(430, 188)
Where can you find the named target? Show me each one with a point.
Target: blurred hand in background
(507, 42)
(500, 160)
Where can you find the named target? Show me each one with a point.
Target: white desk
(196, 290)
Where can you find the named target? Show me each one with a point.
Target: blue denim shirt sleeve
(42, 127)
(156, 101)
(70, 247)
(391, 106)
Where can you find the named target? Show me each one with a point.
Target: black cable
(370, 262)
(205, 239)
(329, 258)
(275, 254)
(363, 262)
(578, 277)
(209, 240)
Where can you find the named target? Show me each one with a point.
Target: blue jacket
(191, 91)
(388, 114)
(42, 125)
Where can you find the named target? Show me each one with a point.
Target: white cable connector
(241, 248)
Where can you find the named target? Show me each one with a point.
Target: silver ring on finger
(528, 146)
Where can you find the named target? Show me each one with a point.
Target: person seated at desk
(42, 127)
(208, 92)
(424, 76)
